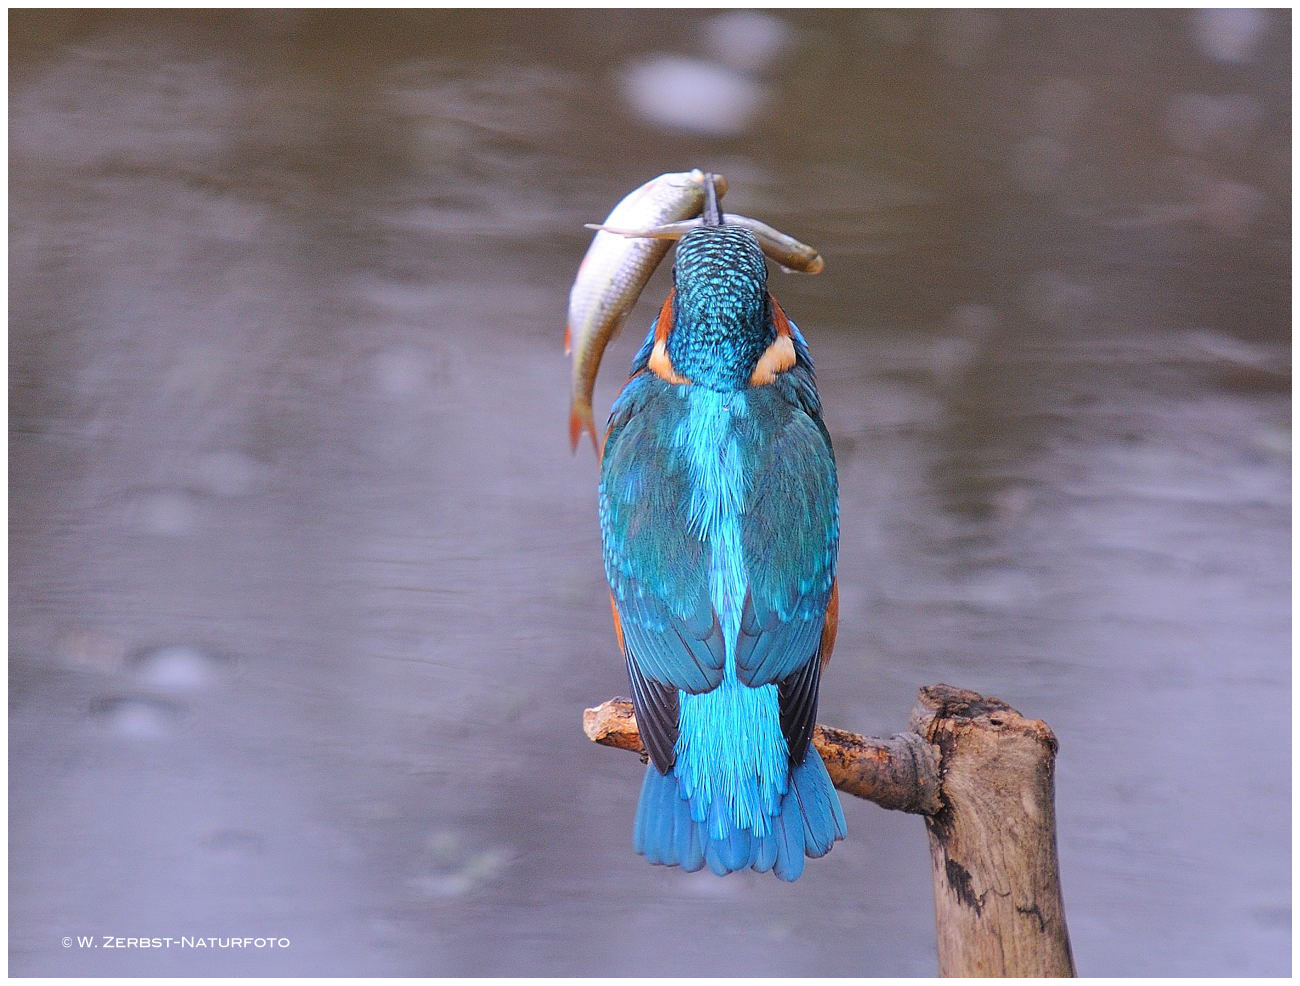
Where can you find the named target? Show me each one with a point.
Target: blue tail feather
(823, 818)
(664, 832)
(765, 855)
(807, 823)
(686, 839)
(787, 831)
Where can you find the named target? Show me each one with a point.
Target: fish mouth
(719, 181)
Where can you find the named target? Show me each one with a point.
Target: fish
(613, 273)
(792, 256)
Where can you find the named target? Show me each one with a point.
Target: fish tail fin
(582, 419)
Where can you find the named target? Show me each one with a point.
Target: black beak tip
(712, 213)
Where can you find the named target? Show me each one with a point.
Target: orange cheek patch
(660, 365)
(779, 356)
(664, 323)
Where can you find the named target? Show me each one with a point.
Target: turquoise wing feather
(718, 511)
(790, 537)
(706, 496)
(658, 568)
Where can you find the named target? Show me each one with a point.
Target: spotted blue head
(722, 320)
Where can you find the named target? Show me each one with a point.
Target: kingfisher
(719, 515)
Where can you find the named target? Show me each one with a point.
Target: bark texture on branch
(983, 777)
(997, 889)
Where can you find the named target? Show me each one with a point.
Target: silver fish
(793, 256)
(613, 273)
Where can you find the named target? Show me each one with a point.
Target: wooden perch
(901, 772)
(983, 777)
(997, 886)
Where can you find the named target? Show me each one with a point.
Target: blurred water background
(305, 586)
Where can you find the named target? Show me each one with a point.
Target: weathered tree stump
(997, 886)
(982, 775)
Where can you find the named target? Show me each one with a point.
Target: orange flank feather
(618, 625)
(829, 628)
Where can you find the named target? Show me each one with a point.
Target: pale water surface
(305, 586)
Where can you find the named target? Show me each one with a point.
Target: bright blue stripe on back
(731, 756)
